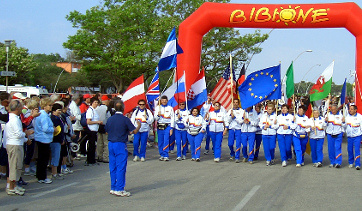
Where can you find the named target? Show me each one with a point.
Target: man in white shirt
(102, 140)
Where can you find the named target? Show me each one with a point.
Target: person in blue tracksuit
(301, 127)
(248, 130)
(316, 138)
(181, 115)
(258, 133)
(233, 122)
(269, 130)
(164, 115)
(353, 124)
(217, 129)
(285, 137)
(143, 115)
(334, 132)
(196, 127)
(118, 128)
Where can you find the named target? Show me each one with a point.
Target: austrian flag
(133, 94)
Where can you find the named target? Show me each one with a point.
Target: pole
(57, 81)
(7, 67)
(293, 105)
(232, 79)
(187, 107)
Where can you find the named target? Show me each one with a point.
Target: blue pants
(216, 138)
(300, 144)
(258, 138)
(140, 137)
(248, 139)
(181, 142)
(335, 149)
(172, 141)
(356, 143)
(316, 147)
(118, 155)
(208, 138)
(285, 146)
(195, 144)
(269, 142)
(163, 141)
(234, 135)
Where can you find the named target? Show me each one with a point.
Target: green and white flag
(290, 81)
(322, 87)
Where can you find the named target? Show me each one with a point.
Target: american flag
(153, 91)
(222, 90)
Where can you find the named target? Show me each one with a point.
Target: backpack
(83, 119)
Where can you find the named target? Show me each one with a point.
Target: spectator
(93, 123)
(58, 139)
(102, 139)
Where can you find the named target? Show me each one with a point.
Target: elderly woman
(43, 135)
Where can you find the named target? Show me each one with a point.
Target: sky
(41, 27)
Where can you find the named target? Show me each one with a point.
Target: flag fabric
(344, 92)
(323, 86)
(197, 94)
(221, 92)
(176, 92)
(241, 78)
(153, 91)
(169, 54)
(133, 94)
(289, 82)
(260, 86)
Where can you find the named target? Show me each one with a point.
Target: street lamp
(57, 81)
(306, 74)
(7, 45)
(308, 51)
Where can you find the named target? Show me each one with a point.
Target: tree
(20, 61)
(120, 40)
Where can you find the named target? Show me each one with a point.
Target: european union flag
(259, 86)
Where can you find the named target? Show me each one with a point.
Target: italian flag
(322, 87)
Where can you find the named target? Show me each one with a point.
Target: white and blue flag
(169, 54)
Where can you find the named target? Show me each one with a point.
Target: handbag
(161, 126)
(194, 131)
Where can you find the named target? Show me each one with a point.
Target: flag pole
(187, 108)
(232, 79)
(293, 105)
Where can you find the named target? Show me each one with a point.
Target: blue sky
(41, 27)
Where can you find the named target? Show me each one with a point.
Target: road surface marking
(54, 190)
(247, 197)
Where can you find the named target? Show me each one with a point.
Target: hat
(87, 96)
(19, 96)
(105, 97)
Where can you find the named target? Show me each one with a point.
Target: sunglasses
(141, 104)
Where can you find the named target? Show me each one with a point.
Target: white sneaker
(315, 164)
(135, 158)
(217, 160)
(350, 166)
(245, 160)
(122, 193)
(284, 163)
(268, 163)
(303, 164)
(46, 181)
(172, 151)
(232, 158)
(57, 177)
(143, 159)
(192, 159)
(21, 189)
(166, 159)
(183, 157)
(358, 168)
(14, 192)
(178, 159)
(197, 159)
(319, 164)
(67, 171)
(111, 192)
(298, 165)
(161, 158)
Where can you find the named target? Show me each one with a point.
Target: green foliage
(120, 40)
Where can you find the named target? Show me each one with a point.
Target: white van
(27, 91)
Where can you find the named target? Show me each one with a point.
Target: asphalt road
(187, 185)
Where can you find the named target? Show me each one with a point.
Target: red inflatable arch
(210, 15)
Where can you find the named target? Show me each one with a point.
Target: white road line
(56, 189)
(247, 197)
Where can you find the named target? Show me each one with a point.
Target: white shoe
(46, 181)
(178, 159)
(303, 164)
(161, 158)
(298, 165)
(319, 164)
(143, 159)
(284, 163)
(111, 192)
(217, 160)
(122, 193)
(192, 159)
(350, 166)
(183, 157)
(21, 189)
(358, 168)
(135, 158)
(166, 159)
(268, 163)
(14, 192)
(197, 159)
(67, 171)
(172, 151)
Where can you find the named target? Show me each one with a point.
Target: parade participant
(269, 127)
(258, 133)
(102, 140)
(93, 123)
(233, 122)
(334, 132)
(217, 129)
(248, 129)
(58, 140)
(316, 138)
(204, 112)
(143, 115)
(164, 115)
(196, 128)
(15, 138)
(118, 128)
(353, 123)
(181, 116)
(300, 127)
(284, 134)
(43, 135)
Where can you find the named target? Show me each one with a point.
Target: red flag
(241, 75)
(133, 94)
